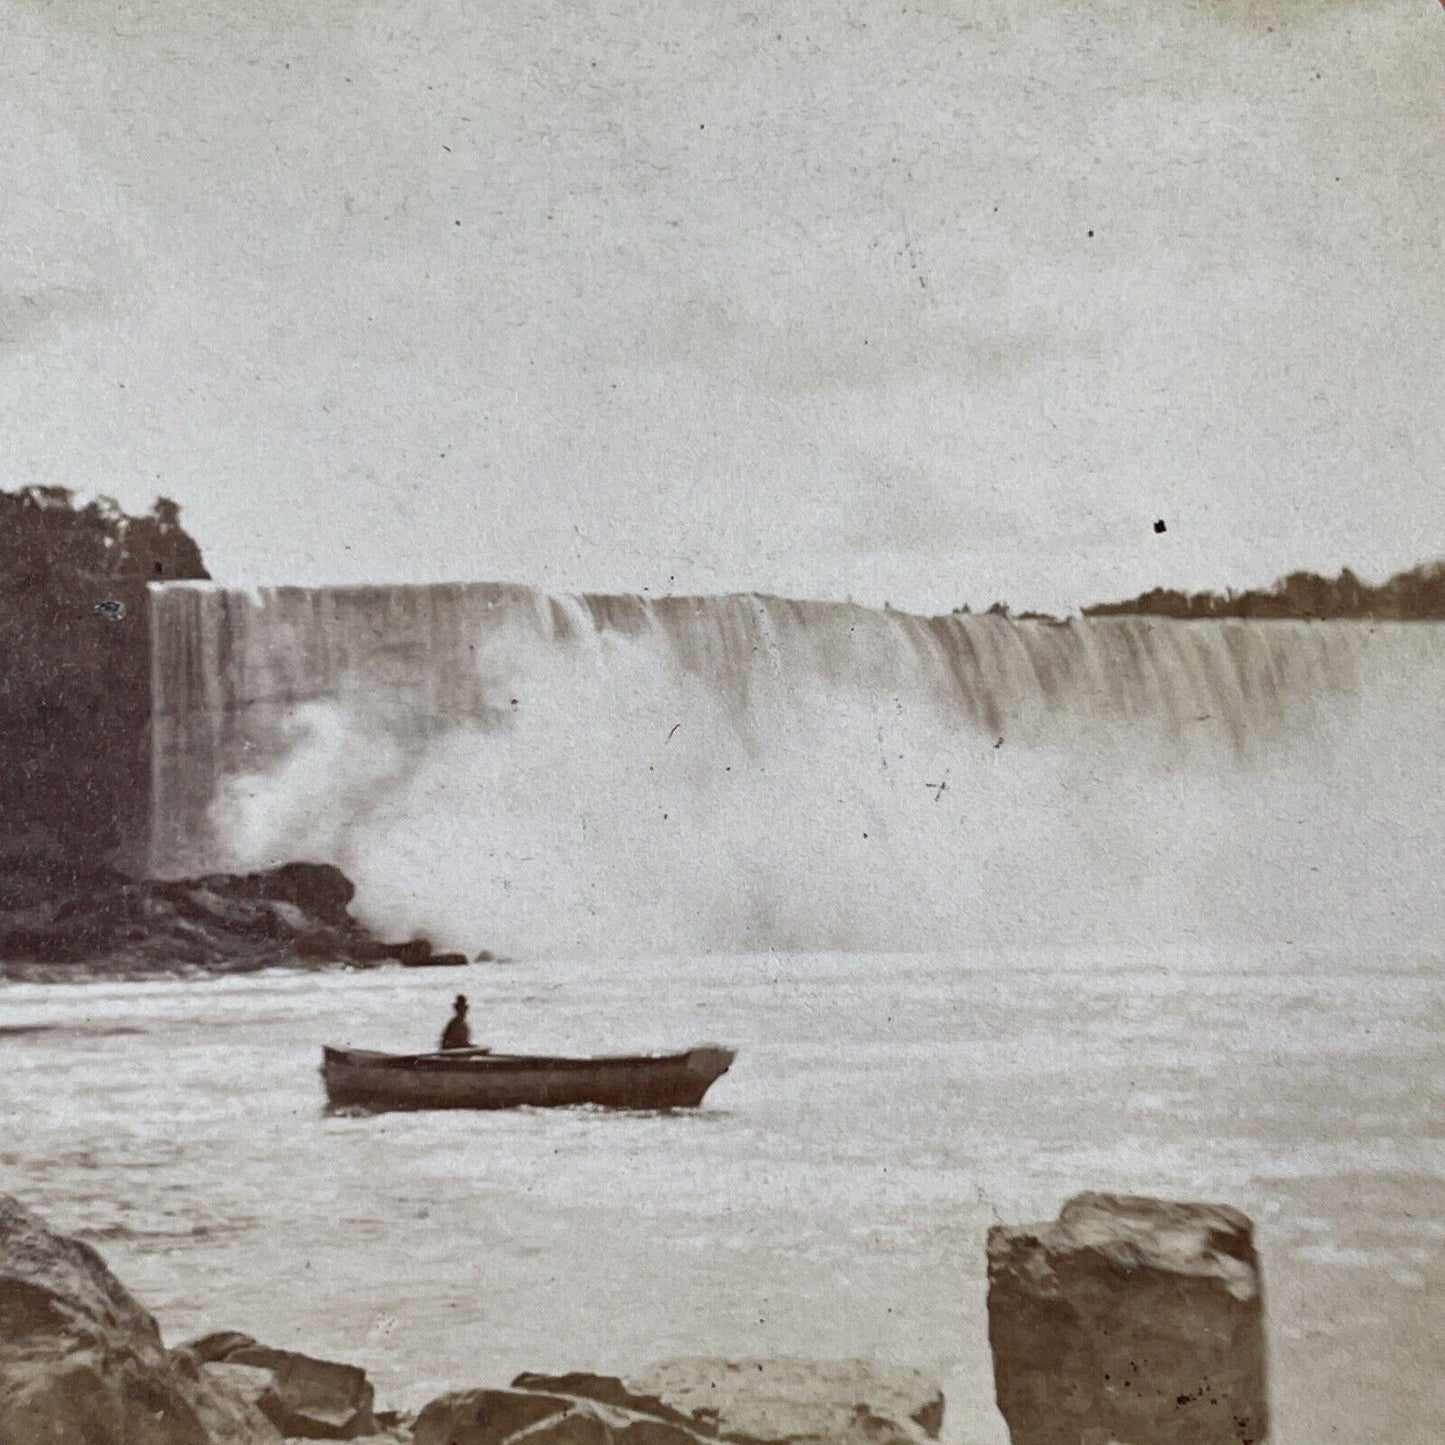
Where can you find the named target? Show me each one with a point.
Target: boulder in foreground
(305, 1398)
(1133, 1320)
(81, 1363)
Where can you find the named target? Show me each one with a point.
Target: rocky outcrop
(1132, 1320)
(305, 1398)
(490, 1417)
(297, 914)
(686, 1402)
(316, 889)
(81, 1363)
(418, 953)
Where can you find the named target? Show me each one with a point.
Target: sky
(931, 303)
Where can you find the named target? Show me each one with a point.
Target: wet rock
(294, 914)
(288, 918)
(483, 1417)
(206, 905)
(251, 1384)
(1128, 1319)
(691, 1402)
(318, 889)
(321, 943)
(364, 949)
(610, 1390)
(228, 1416)
(212, 1349)
(82, 1363)
(585, 1422)
(305, 1398)
(419, 953)
(490, 1417)
(393, 1425)
(770, 1400)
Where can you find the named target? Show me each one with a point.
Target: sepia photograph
(721, 722)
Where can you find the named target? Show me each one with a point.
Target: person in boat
(457, 1034)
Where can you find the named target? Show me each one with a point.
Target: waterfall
(502, 767)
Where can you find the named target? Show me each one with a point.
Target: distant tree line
(1412, 596)
(46, 540)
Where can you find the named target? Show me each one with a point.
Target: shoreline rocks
(1134, 1319)
(82, 1363)
(296, 915)
(698, 1401)
(774, 1399)
(1127, 1320)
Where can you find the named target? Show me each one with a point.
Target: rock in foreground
(686, 1402)
(305, 1398)
(81, 1363)
(1130, 1320)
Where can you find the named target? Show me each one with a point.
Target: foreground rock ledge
(305, 1398)
(775, 1401)
(81, 1363)
(1133, 1320)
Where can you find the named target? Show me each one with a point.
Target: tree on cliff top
(46, 539)
(75, 688)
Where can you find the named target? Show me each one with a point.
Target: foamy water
(831, 1197)
(496, 767)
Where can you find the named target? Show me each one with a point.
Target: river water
(831, 1198)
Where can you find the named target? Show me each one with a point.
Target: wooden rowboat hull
(358, 1078)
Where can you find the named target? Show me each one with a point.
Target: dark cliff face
(75, 686)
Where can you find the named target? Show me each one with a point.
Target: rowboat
(478, 1079)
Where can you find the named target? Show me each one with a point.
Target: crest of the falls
(503, 767)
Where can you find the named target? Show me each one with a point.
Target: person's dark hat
(460, 1001)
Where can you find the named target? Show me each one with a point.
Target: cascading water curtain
(743, 773)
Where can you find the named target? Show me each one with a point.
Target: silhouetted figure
(457, 1035)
